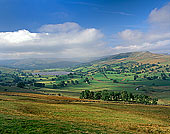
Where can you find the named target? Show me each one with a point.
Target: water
(52, 73)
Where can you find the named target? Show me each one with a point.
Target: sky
(82, 28)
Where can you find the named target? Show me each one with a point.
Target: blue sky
(110, 18)
(108, 15)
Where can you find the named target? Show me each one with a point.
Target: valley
(52, 97)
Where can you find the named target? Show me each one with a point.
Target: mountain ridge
(141, 57)
(48, 63)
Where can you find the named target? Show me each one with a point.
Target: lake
(52, 73)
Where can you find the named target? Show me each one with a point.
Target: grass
(155, 88)
(33, 113)
(100, 82)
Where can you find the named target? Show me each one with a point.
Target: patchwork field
(98, 80)
(47, 101)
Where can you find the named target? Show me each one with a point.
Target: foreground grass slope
(33, 113)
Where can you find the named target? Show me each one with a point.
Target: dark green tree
(21, 84)
(76, 82)
(54, 86)
(124, 95)
(105, 95)
(97, 95)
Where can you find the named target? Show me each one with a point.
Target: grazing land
(47, 101)
(34, 113)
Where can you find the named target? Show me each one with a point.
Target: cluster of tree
(64, 84)
(87, 80)
(21, 84)
(163, 77)
(15, 79)
(71, 75)
(39, 84)
(133, 67)
(135, 77)
(118, 96)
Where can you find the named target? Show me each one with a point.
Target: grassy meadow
(34, 113)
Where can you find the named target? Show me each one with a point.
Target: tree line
(118, 96)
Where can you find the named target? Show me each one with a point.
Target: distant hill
(141, 57)
(47, 63)
(38, 63)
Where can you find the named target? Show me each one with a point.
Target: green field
(100, 78)
(33, 113)
(33, 103)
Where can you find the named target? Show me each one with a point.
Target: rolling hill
(48, 63)
(56, 107)
(141, 57)
(45, 63)
(38, 63)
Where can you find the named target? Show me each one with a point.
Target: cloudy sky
(82, 28)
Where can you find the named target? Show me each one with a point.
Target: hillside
(49, 63)
(46, 63)
(33, 113)
(141, 57)
(118, 94)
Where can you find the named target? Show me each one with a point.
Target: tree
(112, 95)
(82, 95)
(54, 86)
(130, 97)
(97, 95)
(62, 84)
(118, 96)
(53, 79)
(154, 101)
(72, 82)
(135, 77)
(86, 94)
(70, 75)
(76, 82)
(115, 81)
(91, 95)
(39, 84)
(21, 84)
(124, 95)
(68, 82)
(87, 80)
(105, 95)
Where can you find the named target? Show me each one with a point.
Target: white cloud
(131, 36)
(71, 40)
(17, 37)
(157, 39)
(59, 40)
(66, 27)
(160, 18)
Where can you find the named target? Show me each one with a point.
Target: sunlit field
(33, 113)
